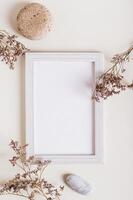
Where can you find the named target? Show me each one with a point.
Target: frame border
(98, 60)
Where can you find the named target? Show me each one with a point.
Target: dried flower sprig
(30, 182)
(112, 81)
(10, 48)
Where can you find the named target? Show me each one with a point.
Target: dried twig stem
(30, 182)
(10, 48)
(112, 81)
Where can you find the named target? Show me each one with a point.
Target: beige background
(106, 26)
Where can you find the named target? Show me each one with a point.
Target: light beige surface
(107, 26)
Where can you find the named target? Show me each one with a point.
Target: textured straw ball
(34, 21)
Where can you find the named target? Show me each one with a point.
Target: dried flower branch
(10, 48)
(113, 81)
(30, 182)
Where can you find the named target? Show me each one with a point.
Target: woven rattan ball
(34, 21)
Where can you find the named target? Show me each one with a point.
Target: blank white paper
(63, 115)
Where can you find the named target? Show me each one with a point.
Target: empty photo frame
(63, 123)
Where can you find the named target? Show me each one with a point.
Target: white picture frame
(63, 123)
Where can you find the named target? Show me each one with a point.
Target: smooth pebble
(78, 184)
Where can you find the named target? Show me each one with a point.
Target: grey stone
(78, 184)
